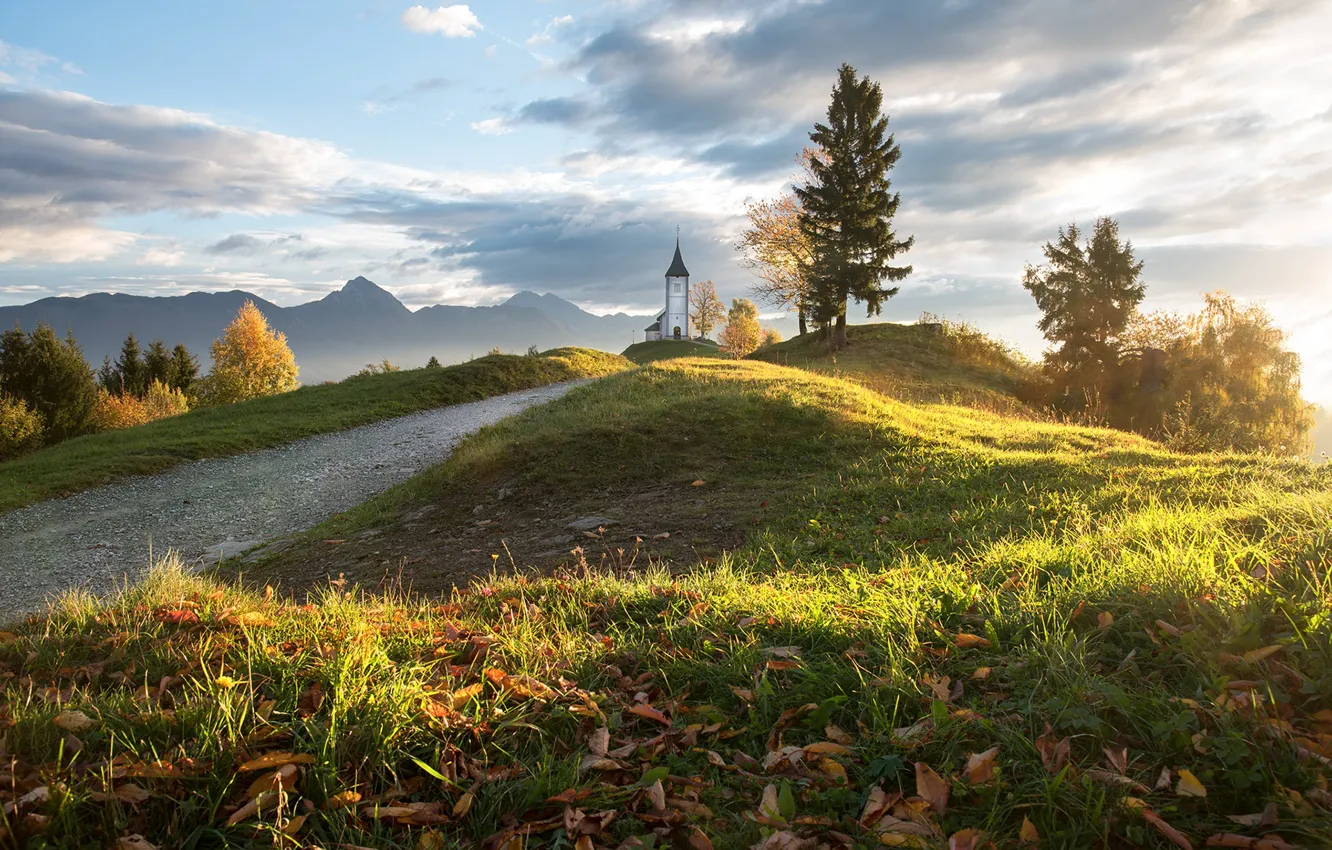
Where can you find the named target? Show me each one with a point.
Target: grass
(666, 349)
(99, 459)
(946, 362)
(921, 584)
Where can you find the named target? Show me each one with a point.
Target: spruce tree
(61, 389)
(109, 377)
(157, 364)
(14, 357)
(847, 206)
(184, 368)
(133, 374)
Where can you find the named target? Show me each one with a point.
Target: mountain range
(336, 335)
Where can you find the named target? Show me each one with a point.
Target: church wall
(677, 308)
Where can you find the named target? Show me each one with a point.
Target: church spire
(677, 268)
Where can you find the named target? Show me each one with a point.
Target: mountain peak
(364, 294)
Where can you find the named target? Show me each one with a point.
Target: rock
(269, 550)
(504, 493)
(590, 523)
(369, 534)
(478, 510)
(559, 540)
(420, 513)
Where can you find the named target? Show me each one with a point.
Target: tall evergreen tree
(60, 389)
(108, 377)
(157, 364)
(14, 360)
(130, 365)
(184, 368)
(847, 206)
(1087, 294)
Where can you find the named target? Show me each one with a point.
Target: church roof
(677, 268)
(656, 326)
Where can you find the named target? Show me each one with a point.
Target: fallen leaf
(252, 619)
(965, 839)
(464, 804)
(284, 778)
(132, 794)
(1189, 786)
(744, 693)
(1028, 833)
(253, 807)
(1229, 839)
(1267, 817)
(980, 766)
(1054, 753)
(1167, 830)
(1163, 781)
(273, 760)
(1173, 631)
(1105, 620)
(980, 674)
(931, 787)
(294, 825)
(178, 616)
(1254, 656)
(1117, 757)
(344, 799)
(134, 842)
(827, 748)
(599, 742)
(698, 482)
(970, 641)
(697, 840)
(74, 721)
(938, 685)
(645, 710)
(835, 733)
(768, 805)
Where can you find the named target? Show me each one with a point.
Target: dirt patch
(433, 547)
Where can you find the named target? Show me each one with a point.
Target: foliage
(1087, 295)
(1230, 381)
(383, 367)
(131, 371)
(134, 371)
(158, 364)
(433, 363)
(776, 249)
(1128, 626)
(20, 428)
(275, 420)
(769, 336)
(249, 361)
(116, 411)
(705, 308)
(847, 207)
(51, 377)
(184, 369)
(742, 334)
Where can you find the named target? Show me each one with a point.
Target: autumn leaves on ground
(945, 628)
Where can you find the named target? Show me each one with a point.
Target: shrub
(20, 428)
(382, 368)
(741, 336)
(121, 410)
(249, 361)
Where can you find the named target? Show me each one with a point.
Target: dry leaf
(344, 799)
(275, 760)
(980, 766)
(657, 795)
(74, 721)
(464, 804)
(253, 807)
(823, 748)
(980, 674)
(931, 787)
(835, 733)
(698, 482)
(645, 710)
(744, 693)
(965, 839)
(938, 685)
(1173, 631)
(697, 840)
(969, 641)
(134, 842)
(1117, 757)
(1028, 834)
(1189, 786)
(1229, 839)
(132, 794)
(1054, 754)
(768, 805)
(1167, 830)
(599, 742)
(1105, 620)
(284, 778)
(294, 825)
(1163, 781)
(1254, 656)
(1267, 817)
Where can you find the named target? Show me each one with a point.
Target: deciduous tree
(249, 360)
(776, 249)
(706, 310)
(741, 335)
(847, 206)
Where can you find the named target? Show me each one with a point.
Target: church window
(677, 287)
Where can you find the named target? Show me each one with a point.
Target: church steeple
(677, 268)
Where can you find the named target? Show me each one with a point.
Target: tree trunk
(803, 327)
(839, 332)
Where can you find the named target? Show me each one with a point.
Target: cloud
(547, 34)
(491, 127)
(68, 161)
(449, 21)
(237, 243)
(555, 110)
(390, 100)
(160, 257)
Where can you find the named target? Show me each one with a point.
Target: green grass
(233, 429)
(922, 582)
(667, 349)
(954, 364)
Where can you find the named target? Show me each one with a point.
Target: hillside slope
(805, 612)
(946, 362)
(98, 459)
(667, 349)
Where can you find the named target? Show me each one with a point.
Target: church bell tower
(675, 320)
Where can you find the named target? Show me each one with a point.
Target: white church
(673, 323)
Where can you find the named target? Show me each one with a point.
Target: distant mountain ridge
(336, 335)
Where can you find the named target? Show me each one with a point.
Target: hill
(335, 335)
(944, 362)
(98, 459)
(651, 352)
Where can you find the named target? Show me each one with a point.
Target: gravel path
(97, 538)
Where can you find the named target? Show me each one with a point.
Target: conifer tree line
(49, 393)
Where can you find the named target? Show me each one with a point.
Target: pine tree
(184, 369)
(847, 206)
(1087, 295)
(130, 365)
(433, 362)
(61, 391)
(108, 377)
(250, 360)
(157, 365)
(14, 358)
(706, 309)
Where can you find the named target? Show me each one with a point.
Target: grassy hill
(946, 362)
(650, 352)
(808, 613)
(98, 459)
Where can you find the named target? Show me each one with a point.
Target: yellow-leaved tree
(249, 361)
(742, 334)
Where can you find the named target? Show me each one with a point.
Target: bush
(121, 410)
(250, 360)
(20, 428)
(382, 368)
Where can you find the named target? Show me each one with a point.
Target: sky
(464, 152)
